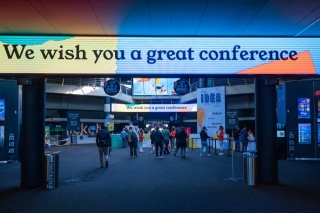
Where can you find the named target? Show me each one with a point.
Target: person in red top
(220, 138)
(141, 139)
(172, 137)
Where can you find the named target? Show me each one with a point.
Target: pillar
(265, 131)
(32, 133)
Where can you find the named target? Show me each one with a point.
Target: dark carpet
(172, 184)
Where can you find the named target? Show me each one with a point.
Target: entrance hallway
(172, 184)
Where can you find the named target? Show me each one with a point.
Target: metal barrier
(51, 171)
(250, 167)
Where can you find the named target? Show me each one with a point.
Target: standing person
(236, 136)
(132, 141)
(141, 140)
(204, 136)
(220, 138)
(244, 138)
(103, 141)
(165, 135)
(152, 141)
(123, 137)
(157, 138)
(173, 137)
(181, 142)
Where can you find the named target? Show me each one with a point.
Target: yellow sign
(111, 127)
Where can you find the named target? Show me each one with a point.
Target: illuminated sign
(2, 109)
(158, 55)
(303, 108)
(181, 87)
(154, 107)
(111, 87)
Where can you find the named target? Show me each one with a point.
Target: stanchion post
(192, 144)
(229, 141)
(215, 146)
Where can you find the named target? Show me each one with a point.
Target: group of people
(163, 142)
(204, 136)
(242, 136)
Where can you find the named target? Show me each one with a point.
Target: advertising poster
(304, 133)
(1, 136)
(154, 86)
(211, 109)
(303, 108)
(2, 109)
(318, 134)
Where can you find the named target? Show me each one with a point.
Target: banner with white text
(158, 55)
(154, 107)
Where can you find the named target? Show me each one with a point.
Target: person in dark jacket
(158, 139)
(103, 141)
(181, 141)
(244, 138)
(236, 136)
(204, 145)
(132, 141)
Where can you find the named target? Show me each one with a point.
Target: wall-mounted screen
(1, 136)
(154, 86)
(304, 133)
(303, 108)
(318, 107)
(2, 109)
(318, 134)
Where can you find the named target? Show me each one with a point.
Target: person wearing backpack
(165, 135)
(103, 141)
(132, 141)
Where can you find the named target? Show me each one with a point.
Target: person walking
(244, 138)
(173, 137)
(220, 139)
(157, 138)
(141, 139)
(165, 135)
(123, 137)
(152, 141)
(204, 145)
(132, 141)
(103, 141)
(181, 142)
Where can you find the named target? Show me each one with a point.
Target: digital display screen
(2, 109)
(158, 55)
(318, 134)
(304, 133)
(154, 86)
(303, 108)
(1, 136)
(318, 107)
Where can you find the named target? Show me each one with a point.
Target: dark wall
(9, 91)
(295, 90)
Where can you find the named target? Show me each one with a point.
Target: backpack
(104, 141)
(128, 135)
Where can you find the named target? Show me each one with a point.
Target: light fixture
(318, 19)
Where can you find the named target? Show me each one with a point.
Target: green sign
(232, 119)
